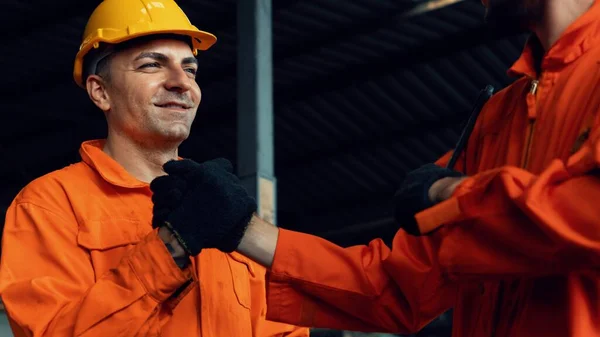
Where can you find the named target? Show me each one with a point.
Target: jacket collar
(578, 38)
(92, 154)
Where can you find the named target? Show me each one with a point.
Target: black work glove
(167, 194)
(413, 195)
(214, 208)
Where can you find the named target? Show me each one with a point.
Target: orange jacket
(80, 258)
(520, 250)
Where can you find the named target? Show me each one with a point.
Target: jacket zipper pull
(531, 108)
(534, 87)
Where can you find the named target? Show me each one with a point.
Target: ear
(97, 91)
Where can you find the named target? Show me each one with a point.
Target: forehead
(173, 49)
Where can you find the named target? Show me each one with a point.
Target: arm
(509, 222)
(313, 282)
(49, 288)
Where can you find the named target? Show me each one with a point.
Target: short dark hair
(103, 66)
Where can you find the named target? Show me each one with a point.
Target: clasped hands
(420, 190)
(204, 205)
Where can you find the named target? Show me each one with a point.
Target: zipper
(531, 106)
(527, 152)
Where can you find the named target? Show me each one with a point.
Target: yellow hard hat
(115, 21)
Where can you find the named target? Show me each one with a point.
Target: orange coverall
(519, 254)
(80, 258)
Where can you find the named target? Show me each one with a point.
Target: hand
(414, 196)
(167, 193)
(214, 209)
(444, 188)
(167, 196)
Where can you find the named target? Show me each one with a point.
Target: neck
(143, 162)
(557, 16)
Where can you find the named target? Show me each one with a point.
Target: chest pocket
(241, 271)
(108, 240)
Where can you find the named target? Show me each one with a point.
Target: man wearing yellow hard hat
(80, 253)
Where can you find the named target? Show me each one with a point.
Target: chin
(174, 135)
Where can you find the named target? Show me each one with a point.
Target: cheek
(134, 104)
(140, 96)
(196, 93)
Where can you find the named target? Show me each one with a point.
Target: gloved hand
(413, 195)
(167, 194)
(214, 209)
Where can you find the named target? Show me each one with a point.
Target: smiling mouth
(172, 106)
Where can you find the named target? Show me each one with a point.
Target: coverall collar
(578, 38)
(92, 154)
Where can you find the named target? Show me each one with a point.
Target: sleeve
(369, 288)
(262, 326)
(48, 286)
(509, 222)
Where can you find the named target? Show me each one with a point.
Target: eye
(150, 65)
(191, 71)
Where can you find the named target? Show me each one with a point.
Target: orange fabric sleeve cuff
(281, 298)
(431, 218)
(155, 268)
(446, 211)
(281, 251)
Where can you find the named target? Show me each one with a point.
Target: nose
(178, 80)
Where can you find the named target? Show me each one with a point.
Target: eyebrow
(189, 60)
(164, 58)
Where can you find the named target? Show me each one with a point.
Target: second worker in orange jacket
(516, 246)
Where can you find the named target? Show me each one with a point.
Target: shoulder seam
(27, 202)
